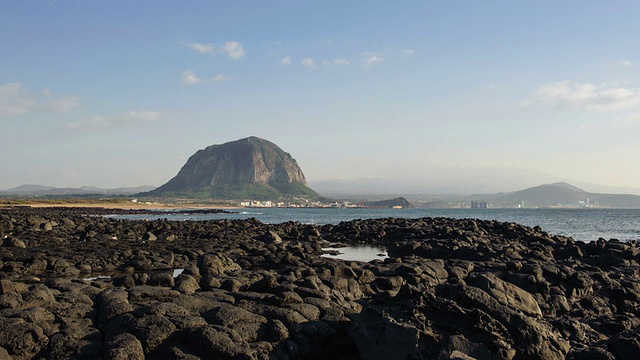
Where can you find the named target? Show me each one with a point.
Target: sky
(120, 93)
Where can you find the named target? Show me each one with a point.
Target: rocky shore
(74, 284)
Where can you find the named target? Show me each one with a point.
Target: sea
(586, 224)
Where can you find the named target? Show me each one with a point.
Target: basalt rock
(454, 289)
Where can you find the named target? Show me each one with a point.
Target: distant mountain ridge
(466, 184)
(44, 190)
(560, 194)
(249, 168)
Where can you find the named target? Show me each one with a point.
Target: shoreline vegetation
(92, 287)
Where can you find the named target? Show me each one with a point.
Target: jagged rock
(507, 294)
(271, 237)
(378, 336)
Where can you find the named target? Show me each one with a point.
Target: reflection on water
(363, 253)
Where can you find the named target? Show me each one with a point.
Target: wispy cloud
(220, 78)
(233, 49)
(62, 105)
(370, 60)
(409, 52)
(628, 63)
(309, 62)
(341, 62)
(336, 62)
(119, 120)
(189, 78)
(576, 96)
(286, 60)
(15, 101)
(201, 48)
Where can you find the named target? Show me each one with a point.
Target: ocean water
(580, 224)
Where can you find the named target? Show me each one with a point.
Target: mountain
(29, 188)
(43, 190)
(560, 194)
(249, 168)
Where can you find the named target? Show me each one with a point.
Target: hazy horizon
(460, 94)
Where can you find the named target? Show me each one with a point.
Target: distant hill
(43, 190)
(250, 168)
(29, 188)
(560, 194)
(397, 202)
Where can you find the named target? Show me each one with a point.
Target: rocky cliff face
(224, 170)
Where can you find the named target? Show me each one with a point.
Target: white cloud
(341, 62)
(14, 101)
(233, 49)
(628, 63)
(286, 60)
(140, 116)
(309, 62)
(201, 48)
(370, 59)
(589, 97)
(189, 78)
(119, 120)
(220, 78)
(336, 62)
(409, 52)
(62, 104)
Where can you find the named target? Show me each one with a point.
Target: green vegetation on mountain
(399, 201)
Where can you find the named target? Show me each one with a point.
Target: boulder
(124, 347)
(14, 242)
(216, 264)
(186, 284)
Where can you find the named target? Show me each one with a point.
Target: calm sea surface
(581, 224)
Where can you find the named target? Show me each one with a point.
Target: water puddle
(177, 272)
(364, 253)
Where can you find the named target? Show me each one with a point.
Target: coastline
(123, 205)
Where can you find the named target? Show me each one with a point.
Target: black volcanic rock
(245, 168)
(450, 289)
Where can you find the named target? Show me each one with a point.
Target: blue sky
(510, 93)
